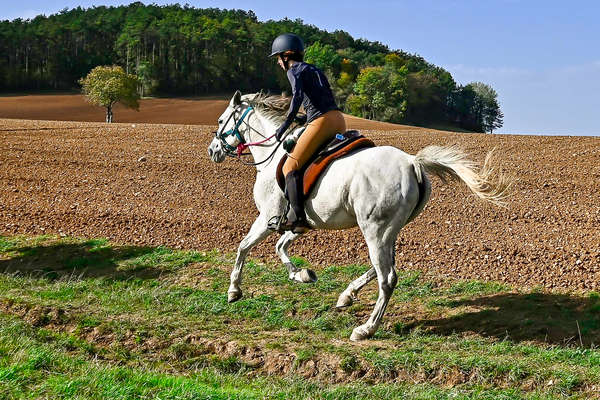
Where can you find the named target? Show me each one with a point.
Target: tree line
(182, 50)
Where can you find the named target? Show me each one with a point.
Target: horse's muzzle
(215, 151)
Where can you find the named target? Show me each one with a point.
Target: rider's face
(281, 62)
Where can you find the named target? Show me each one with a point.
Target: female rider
(311, 89)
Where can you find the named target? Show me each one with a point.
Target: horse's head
(229, 135)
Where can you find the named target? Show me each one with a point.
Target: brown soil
(74, 107)
(154, 184)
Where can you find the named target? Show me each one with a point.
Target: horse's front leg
(303, 275)
(258, 233)
(348, 296)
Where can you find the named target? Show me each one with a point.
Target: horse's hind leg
(381, 253)
(348, 296)
(304, 275)
(258, 232)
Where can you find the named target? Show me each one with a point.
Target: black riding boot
(296, 217)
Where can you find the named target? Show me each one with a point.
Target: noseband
(222, 136)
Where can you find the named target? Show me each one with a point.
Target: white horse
(380, 189)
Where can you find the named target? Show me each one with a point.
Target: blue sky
(542, 57)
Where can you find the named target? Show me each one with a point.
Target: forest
(185, 51)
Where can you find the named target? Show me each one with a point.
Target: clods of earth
(153, 184)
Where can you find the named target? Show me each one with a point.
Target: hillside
(182, 50)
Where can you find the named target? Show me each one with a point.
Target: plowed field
(154, 184)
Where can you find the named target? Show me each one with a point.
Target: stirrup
(275, 223)
(279, 224)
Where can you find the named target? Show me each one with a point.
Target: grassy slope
(88, 319)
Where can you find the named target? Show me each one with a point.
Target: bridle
(222, 136)
(238, 151)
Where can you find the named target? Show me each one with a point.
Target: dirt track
(154, 184)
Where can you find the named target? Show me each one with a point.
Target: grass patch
(58, 258)
(8, 244)
(164, 258)
(139, 322)
(97, 244)
(35, 367)
(300, 262)
(477, 288)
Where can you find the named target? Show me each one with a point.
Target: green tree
(106, 85)
(379, 93)
(462, 104)
(323, 56)
(497, 119)
(145, 73)
(368, 91)
(486, 107)
(344, 85)
(186, 50)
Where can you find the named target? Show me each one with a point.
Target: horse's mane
(272, 107)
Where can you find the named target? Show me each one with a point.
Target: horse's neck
(266, 127)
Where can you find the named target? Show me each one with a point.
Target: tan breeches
(318, 131)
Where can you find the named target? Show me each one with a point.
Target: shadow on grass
(557, 319)
(85, 260)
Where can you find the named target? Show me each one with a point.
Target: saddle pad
(315, 167)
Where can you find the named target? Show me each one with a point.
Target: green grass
(33, 366)
(477, 287)
(166, 258)
(90, 319)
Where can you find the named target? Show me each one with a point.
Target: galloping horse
(380, 189)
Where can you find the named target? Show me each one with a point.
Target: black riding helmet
(287, 42)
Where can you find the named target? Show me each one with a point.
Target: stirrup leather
(276, 222)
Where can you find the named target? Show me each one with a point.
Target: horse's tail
(450, 163)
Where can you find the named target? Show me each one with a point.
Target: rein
(243, 146)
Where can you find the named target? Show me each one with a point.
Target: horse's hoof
(359, 333)
(345, 300)
(308, 275)
(234, 296)
(303, 275)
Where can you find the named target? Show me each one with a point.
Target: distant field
(73, 107)
(189, 111)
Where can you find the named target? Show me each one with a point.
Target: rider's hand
(280, 132)
(301, 119)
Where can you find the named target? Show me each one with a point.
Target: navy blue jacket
(311, 89)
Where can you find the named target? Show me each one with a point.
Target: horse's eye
(220, 121)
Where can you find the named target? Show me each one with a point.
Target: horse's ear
(236, 100)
